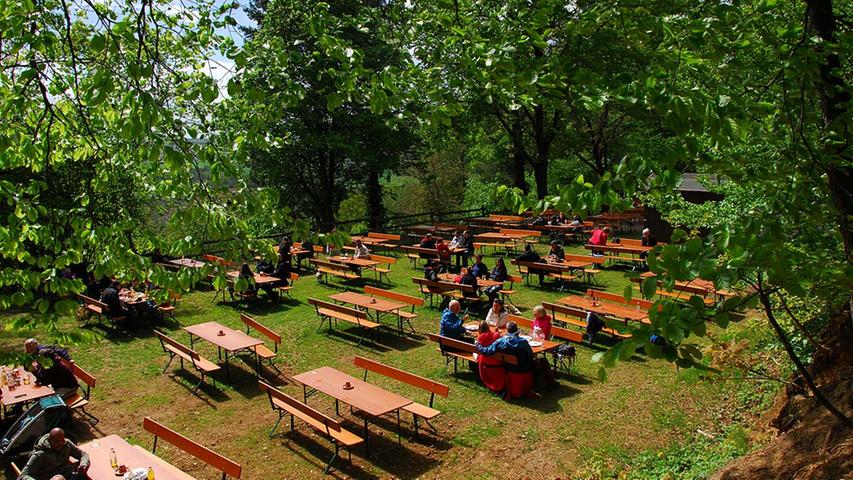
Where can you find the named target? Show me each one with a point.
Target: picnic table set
(18, 387)
(113, 457)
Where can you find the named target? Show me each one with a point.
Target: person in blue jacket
(451, 324)
(512, 344)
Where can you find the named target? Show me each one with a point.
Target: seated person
(443, 251)
(479, 269)
(361, 250)
(542, 322)
(519, 378)
(456, 240)
(308, 248)
(432, 269)
(451, 324)
(648, 240)
(530, 255)
(32, 347)
(599, 237)
(561, 219)
(467, 243)
(60, 376)
(491, 369)
(499, 273)
(282, 271)
(427, 241)
(110, 297)
(556, 252)
(576, 221)
(497, 316)
(265, 267)
(539, 221)
(246, 274)
(52, 455)
(468, 278)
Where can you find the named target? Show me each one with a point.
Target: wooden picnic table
(260, 278)
(24, 393)
(499, 220)
(368, 303)
(424, 229)
(187, 262)
(547, 345)
(232, 341)
(131, 297)
(606, 308)
(618, 248)
(481, 282)
(128, 455)
(358, 262)
(371, 400)
(368, 240)
(498, 236)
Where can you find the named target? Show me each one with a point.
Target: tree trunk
(834, 99)
(540, 173)
(373, 191)
(519, 156)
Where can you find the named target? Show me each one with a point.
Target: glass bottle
(150, 473)
(113, 459)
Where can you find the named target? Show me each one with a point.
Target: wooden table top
(500, 236)
(606, 308)
(359, 262)
(366, 301)
(547, 345)
(131, 297)
(128, 455)
(187, 262)
(567, 226)
(369, 398)
(618, 248)
(568, 264)
(232, 340)
(481, 282)
(260, 278)
(430, 228)
(24, 393)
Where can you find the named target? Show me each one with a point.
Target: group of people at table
(496, 334)
(52, 452)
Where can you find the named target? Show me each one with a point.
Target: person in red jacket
(492, 372)
(599, 237)
(443, 252)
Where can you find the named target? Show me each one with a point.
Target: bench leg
(430, 426)
(171, 357)
(332, 460)
(94, 420)
(280, 416)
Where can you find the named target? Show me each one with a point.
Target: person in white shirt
(456, 240)
(497, 316)
(361, 250)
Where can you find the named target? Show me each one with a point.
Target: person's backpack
(594, 324)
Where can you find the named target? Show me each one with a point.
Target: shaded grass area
(644, 403)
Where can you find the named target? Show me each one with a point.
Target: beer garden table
(368, 303)
(608, 309)
(24, 393)
(232, 341)
(128, 455)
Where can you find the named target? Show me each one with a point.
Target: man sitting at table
(469, 279)
(556, 253)
(519, 379)
(648, 240)
(32, 347)
(530, 255)
(599, 237)
(110, 297)
(427, 241)
(51, 458)
(443, 253)
(308, 252)
(451, 324)
(60, 376)
(479, 269)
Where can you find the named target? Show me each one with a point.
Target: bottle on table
(113, 459)
(150, 473)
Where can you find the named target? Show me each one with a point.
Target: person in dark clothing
(480, 269)
(265, 267)
(51, 458)
(427, 241)
(60, 376)
(468, 278)
(467, 243)
(451, 324)
(594, 324)
(32, 347)
(110, 297)
(308, 246)
(530, 255)
(648, 240)
(556, 253)
(432, 269)
(499, 273)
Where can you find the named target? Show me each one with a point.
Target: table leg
(399, 436)
(366, 441)
(227, 370)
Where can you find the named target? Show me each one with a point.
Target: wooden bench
(590, 272)
(448, 290)
(213, 259)
(168, 307)
(506, 294)
(197, 450)
(615, 298)
(561, 333)
(262, 351)
(285, 405)
(381, 271)
(327, 268)
(427, 412)
(80, 398)
(453, 350)
(577, 318)
(98, 308)
(329, 311)
(286, 289)
(400, 297)
(535, 234)
(495, 246)
(387, 239)
(547, 270)
(415, 253)
(176, 349)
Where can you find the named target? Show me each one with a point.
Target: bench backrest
(252, 323)
(383, 236)
(164, 339)
(337, 308)
(541, 266)
(511, 218)
(330, 265)
(382, 259)
(556, 308)
(584, 258)
(426, 251)
(206, 455)
(556, 332)
(453, 344)
(401, 375)
(615, 298)
(400, 297)
(514, 278)
(83, 375)
(516, 231)
(92, 301)
(217, 260)
(294, 404)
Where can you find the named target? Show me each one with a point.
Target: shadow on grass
(188, 381)
(545, 400)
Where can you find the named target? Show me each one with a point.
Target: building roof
(690, 182)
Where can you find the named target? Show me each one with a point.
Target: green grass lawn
(644, 405)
